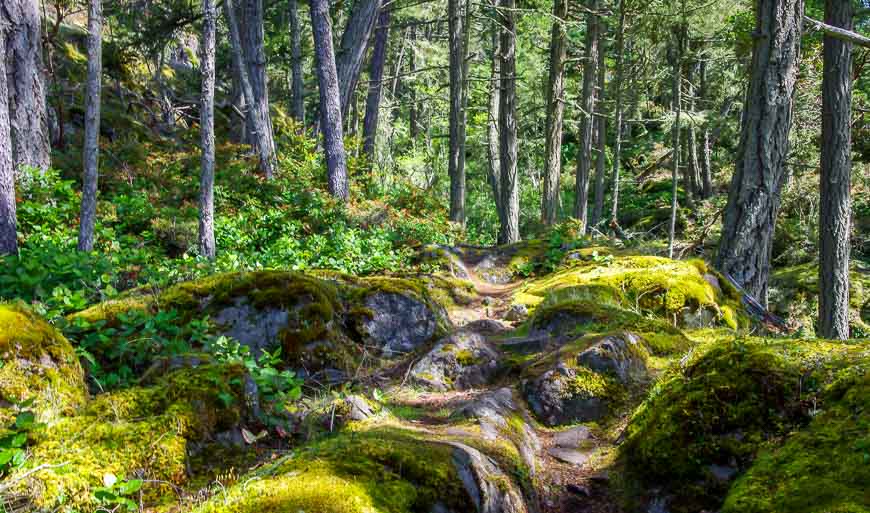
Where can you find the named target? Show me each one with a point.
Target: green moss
(37, 363)
(465, 357)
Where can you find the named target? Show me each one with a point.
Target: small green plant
(13, 441)
(115, 494)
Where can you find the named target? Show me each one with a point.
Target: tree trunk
(28, 117)
(555, 111)
(492, 123)
(254, 52)
(693, 171)
(587, 105)
(456, 162)
(706, 147)
(206, 132)
(376, 74)
(330, 101)
(261, 130)
(836, 169)
(617, 146)
(413, 108)
(298, 82)
(677, 90)
(8, 236)
(238, 128)
(601, 136)
(352, 49)
(91, 150)
(509, 230)
(753, 199)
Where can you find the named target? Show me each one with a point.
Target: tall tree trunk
(692, 168)
(376, 74)
(330, 101)
(261, 130)
(601, 136)
(753, 199)
(91, 150)
(555, 111)
(413, 108)
(297, 89)
(206, 132)
(587, 125)
(28, 117)
(254, 52)
(8, 236)
(835, 211)
(509, 230)
(617, 146)
(238, 128)
(352, 49)
(456, 162)
(706, 147)
(677, 90)
(494, 105)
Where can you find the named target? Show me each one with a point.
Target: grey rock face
(623, 356)
(359, 408)
(572, 438)
(517, 313)
(487, 485)
(461, 361)
(400, 324)
(570, 456)
(256, 328)
(555, 400)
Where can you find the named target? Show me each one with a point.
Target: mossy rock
(823, 468)
(37, 363)
(361, 470)
(143, 432)
(711, 417)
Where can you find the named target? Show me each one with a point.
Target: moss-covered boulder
(38, 364)
(144, 432)
(705, 422)
(461, 361)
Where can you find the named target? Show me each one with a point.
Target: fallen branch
(839, 33)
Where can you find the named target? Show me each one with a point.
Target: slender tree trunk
(376, 73)
(298, 82)
(601, 136)
(8, 236)
(587, 105)
(254, 51)
(456, 162)
(753, 200)
(352, 49)
(262, 131)
(617, 146)
(835, 211)
(28, 116)
(413, 108)
(238, 129)
(706, 148)
(330, 101)
(91, 150)
(507, 120)
(693, 172)
(492, 124)
(206, 131)
(677, 89)
(555, 111)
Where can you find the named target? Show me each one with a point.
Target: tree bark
(753, 199)
(413, 108)
(28, 117)
(587, 105)
(376, 74)
(330, 101)
(352, 49)
(601, 136)
(254, 51)
(261, 130)
(692, 167)
(836, 170)
(297, 92)
(8, 236)
(91, 149)
(456, 162)
(706, 147)
(555, 111)
(206, 128)
(492, 124)
(677, 91)
(509, 230)
(617, 146)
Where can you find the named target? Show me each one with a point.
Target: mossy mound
(361, 470)
(824, 468)
(37, 363)
(687, 293)
(705, 423)
(794, 294)
(147, 433)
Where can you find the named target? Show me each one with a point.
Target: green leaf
(25, 420)
(130, 487)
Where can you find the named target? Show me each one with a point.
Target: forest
(434, 256)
